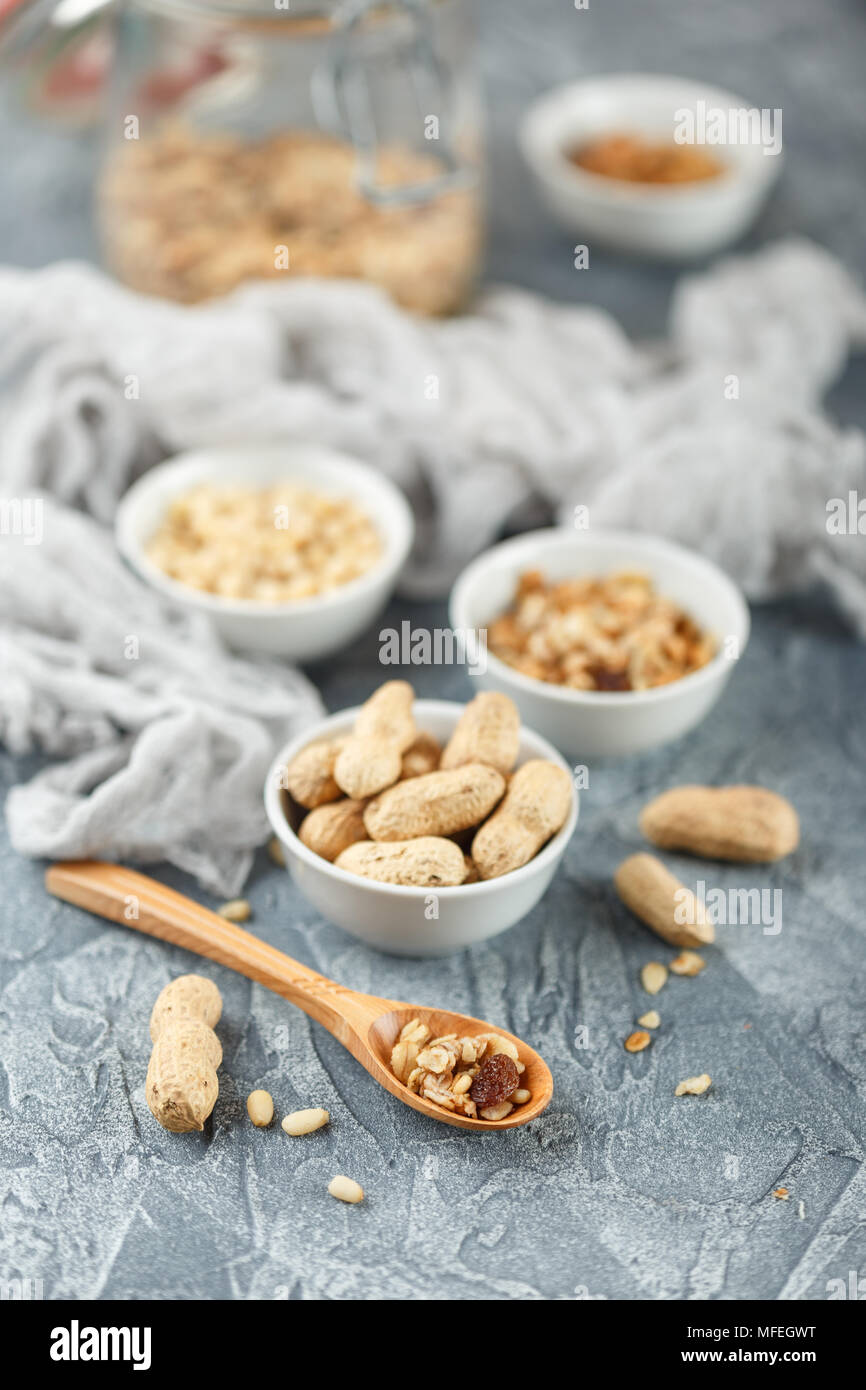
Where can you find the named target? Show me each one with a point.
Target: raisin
(610, 680)
(496, 1080)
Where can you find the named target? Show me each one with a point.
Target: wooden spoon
(366, 1025)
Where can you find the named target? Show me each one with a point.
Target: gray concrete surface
(620, 1190)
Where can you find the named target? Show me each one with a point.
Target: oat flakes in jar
(271, 138)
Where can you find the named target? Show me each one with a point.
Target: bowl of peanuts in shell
(289, 549)
(609, 642)
(422, 826)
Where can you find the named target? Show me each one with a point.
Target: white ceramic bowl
(304, 630)
(668, 223)
(397, 919)
(589, 723)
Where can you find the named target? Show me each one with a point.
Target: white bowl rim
(541, 148)
(396, 545)
(595, 699)
(284, 832)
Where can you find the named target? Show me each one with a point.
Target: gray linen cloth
(166, 739)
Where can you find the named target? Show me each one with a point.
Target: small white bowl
(595, 723)
(397, 919)
(309, 628)
(671, 222)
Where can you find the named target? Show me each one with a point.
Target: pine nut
(345, 1190)
(238, 910)
(653, 976)
(520, 1097)
(260, 1108)
(687, 963)
(694, 1085)
(305, 1121)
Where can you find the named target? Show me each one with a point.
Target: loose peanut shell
(742, 823)
(371, 759)
(440, 803)
(187, 996)
(328, 830)
(182, 1085)
(658, 898)
(427, 862)
(309, 777)
(535, 807)
(488, 731)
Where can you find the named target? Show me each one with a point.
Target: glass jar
(250, 140)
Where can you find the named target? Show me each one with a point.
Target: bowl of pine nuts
(289, 549)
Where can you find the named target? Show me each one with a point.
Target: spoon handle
(133, 900)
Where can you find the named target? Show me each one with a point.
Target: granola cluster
(189, 214)
(474, 1076)
(275, 545)
(612, 632)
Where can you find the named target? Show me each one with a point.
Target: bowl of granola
(289, 549)
(609, 642)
